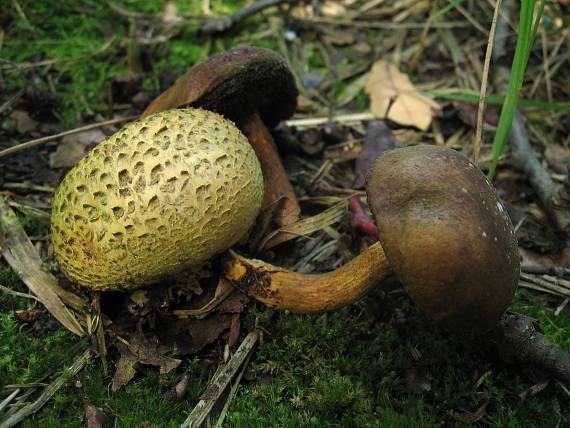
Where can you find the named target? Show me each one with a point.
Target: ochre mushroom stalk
(282, 289)
(443, 233)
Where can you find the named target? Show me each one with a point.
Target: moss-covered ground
(374, 364)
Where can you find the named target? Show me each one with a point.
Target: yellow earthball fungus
(163, 194)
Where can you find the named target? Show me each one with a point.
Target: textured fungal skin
(446, 234)
(163, 194)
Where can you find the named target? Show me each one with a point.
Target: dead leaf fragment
(558, 157)
(467, 112)
(126, 368)
(94, 417)
(206, 331)
(30, 315)
(379, 139)
(147, 353)
(73, 147)
(24, 123)
(138, 349)
(393, 96)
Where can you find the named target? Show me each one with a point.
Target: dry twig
(219, 383)
(483, 92)
(38, 141)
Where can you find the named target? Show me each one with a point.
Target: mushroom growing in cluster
(443, 233)
(170, 191)
(179, 186)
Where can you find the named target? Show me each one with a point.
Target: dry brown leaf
(73, 148)
(24, 123)
(126, 368)
(203, 332)
(558, 157)
(393, 96)
(190, 335)
(379, 138)
(30, 315)
(138, 349)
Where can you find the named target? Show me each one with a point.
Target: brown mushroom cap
(236, 83)
(446, 235)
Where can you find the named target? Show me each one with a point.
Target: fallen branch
(225, 23)
(555, 198)
(518, 341)
(27, 65)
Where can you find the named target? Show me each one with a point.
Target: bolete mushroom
(255, 88)
(444, 234)
(164, 194)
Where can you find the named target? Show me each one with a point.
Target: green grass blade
(523, 47)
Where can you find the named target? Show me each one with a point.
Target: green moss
(9, 279)
(339, 370)
(27, 355)
(74, 38)
(555, 327)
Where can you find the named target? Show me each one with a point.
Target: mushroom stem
(280, 288)
(278, 189)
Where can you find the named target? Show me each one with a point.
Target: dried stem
(49, 391)
(483, 92)
(219, 384)
(22, 256)
(225, 23)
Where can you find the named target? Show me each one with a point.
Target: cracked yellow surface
(161, 195)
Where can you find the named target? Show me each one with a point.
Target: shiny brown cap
(446, 234)
(236, 83)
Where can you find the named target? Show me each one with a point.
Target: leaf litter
(393, 96)
(411, 111)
